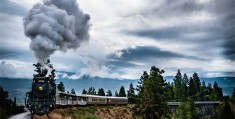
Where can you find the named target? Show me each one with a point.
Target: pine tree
(192, 88)
(218, 91)
(101, 92)
(122, 92)
(179, 86)
(61, 87)
(186, 85)
(187, 110)
(152, 95)
(131, 94)
(109, 93)
(84, 91)
(233, 95)
(197, 85)
(139, 87)
(73, 91)
(91, 91)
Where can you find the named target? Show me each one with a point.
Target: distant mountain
(18, 87)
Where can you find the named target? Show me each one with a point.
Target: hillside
(100, 112)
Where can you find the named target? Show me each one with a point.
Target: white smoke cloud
(56, 25)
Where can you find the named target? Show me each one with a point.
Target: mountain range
(18, 87)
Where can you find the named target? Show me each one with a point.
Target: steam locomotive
(42, 97)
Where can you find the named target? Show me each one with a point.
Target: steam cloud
(56, 25)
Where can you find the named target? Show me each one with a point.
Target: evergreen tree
(73, 91)
(210, 93)
(186, 85)
(109, 93)
(122, 92)
(139, 87)
(61, 87)
(192, 87)
(179, 86)
(3, 97)
(187, 110)
(197, 83)
(84, 91)
(152, 95)
(215, 86)
(218, 91)
(203, 84)
(91, 91)
(233, 95)
(131, 94)
(101, 92)
(169, 92)
(203, 91)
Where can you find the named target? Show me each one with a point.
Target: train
(65, 99)
(45, 97)
(42, 97)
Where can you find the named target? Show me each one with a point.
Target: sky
(128, 37)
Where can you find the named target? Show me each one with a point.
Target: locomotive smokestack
(55, 25)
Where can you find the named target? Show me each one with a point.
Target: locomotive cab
(41, 99)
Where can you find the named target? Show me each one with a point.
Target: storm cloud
(127, 37)
(9, 7)
(216, 31)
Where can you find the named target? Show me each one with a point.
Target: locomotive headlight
(40, 88)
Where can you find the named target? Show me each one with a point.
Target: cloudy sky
(128, 37)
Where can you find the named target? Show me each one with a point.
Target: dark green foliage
(131, 94)
(187, 110)
(91, 91)
(101, 92)
(233, 95)
(6, 104)
(84, 91)
(227, 112)
(192, 87)
(218, 91)
(179, 86)
(73, 91)
(109, 93)
(61, 87)
(122, 92)
(186, 85)
(3, 97)
(169, 91)
(152, 99)
(197, 85)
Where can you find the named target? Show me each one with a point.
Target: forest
(152, 93)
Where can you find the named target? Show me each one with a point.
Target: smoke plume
(56, 25)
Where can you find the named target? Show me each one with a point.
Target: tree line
(6, 104)
(101, 92)
(151, 94)
(92, 91)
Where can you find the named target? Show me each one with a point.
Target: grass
(92, 112)
(78, 112)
